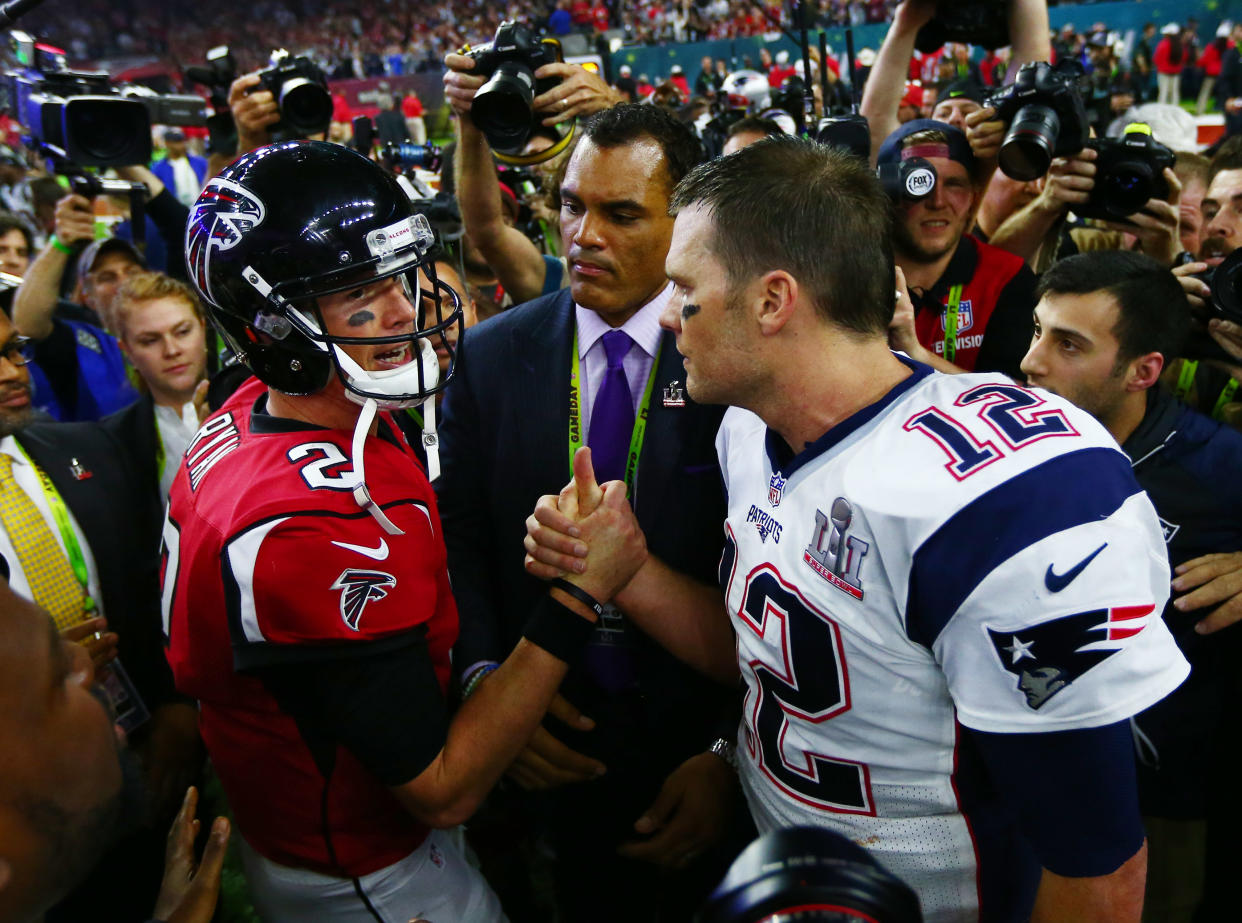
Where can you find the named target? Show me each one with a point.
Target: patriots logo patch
(359, 587)
(224, 213)
(1048, 657)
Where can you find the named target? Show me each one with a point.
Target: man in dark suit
(69, 480)
(533, 384)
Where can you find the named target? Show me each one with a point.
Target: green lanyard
(1226, 395)
(60, 513)
(950, 323)
(1186, 380)
(640, 419)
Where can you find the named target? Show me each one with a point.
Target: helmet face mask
(436, 309)
(291, 224)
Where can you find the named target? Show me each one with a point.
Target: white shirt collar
(9, 447)
(643, 327)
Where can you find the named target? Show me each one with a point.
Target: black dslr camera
(1046, 118)
(1225, 282)
(973, 22)
(301, 90)
(1128, 171)
(810, 874)
(502, 106)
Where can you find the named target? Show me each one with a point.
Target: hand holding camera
(287, 99)
(254, 110)
(1068, 183)
(75, 220)
(985, 132)
(577, 93)
(1045, 115)
(1156, 223)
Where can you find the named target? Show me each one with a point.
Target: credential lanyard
(950, 322)
(73, 550)
(1186, 380)
(640, 419)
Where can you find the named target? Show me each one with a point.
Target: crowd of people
(392, 37)
(706, 471)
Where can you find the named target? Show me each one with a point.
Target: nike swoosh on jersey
(1057, 582)
(375, 554)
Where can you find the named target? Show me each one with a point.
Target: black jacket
(1191, 468)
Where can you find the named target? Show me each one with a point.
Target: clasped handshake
(587, 534)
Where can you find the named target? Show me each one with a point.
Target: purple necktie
(612, 416)
(608, 658)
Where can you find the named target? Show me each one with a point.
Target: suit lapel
(76, 493)
(663, 443)
(543, 352)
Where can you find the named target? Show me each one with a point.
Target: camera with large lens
(1128, 172)
(301, 91)
(809, 874)
(217, 75)
(972, 22)
(1224, 302)
(1225, 281)
(502, 106)
(1045, 115)
(850, 132)
(79, 117)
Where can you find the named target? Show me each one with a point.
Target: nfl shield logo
(775, 486)
(965, 316)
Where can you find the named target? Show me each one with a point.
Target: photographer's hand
(460, 84)
(1069, 182)
(1157, 224)
(75, 220)
(580, 93)
(985, 133)
(1229, 336)
(903, 336)
(1197, 291)
(254, 112)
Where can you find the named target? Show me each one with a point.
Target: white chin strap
(362, 496)
(397, 381)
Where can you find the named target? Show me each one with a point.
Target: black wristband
(559, 630)
(579, 594)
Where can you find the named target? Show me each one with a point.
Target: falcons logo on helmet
(224, 213)
(359, 587)
(1048, 657)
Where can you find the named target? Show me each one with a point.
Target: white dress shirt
(28, 480)
(644, 330)
(176, 429)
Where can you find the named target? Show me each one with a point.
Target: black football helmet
(292, 222)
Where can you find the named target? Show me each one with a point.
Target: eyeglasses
(17, 351)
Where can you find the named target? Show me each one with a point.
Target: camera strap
(950, 322)
(576, 440)
(1186, 381)
(1226, 395)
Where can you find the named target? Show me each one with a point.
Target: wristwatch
(726, 750)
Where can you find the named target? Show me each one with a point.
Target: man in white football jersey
(944, 591)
